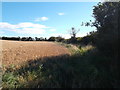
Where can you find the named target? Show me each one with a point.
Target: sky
(45, 19)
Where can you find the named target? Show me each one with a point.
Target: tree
(107, 21)
(42, 39)
(37, 39)
(73, 33)
(45, 39)
(51, 39)
(90, 38)
(59, 39)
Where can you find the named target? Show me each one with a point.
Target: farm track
(18, 52)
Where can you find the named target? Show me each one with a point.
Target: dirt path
(16, 52)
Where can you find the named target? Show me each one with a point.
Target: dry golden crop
(18, 52)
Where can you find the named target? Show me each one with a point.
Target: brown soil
(17, 52)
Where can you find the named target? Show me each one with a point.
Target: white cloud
(41, 19)
(61, 14)
(52, 30)
(28, 24)
(23, 28)
(6, 26)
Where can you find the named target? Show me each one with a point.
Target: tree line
(52, 38)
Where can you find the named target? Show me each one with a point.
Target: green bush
(107, 23)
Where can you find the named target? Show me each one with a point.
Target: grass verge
(84, 68)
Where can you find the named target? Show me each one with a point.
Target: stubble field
(18, 52)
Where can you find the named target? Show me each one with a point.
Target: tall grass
(84, 68)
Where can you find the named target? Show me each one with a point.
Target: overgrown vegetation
(88, 66)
